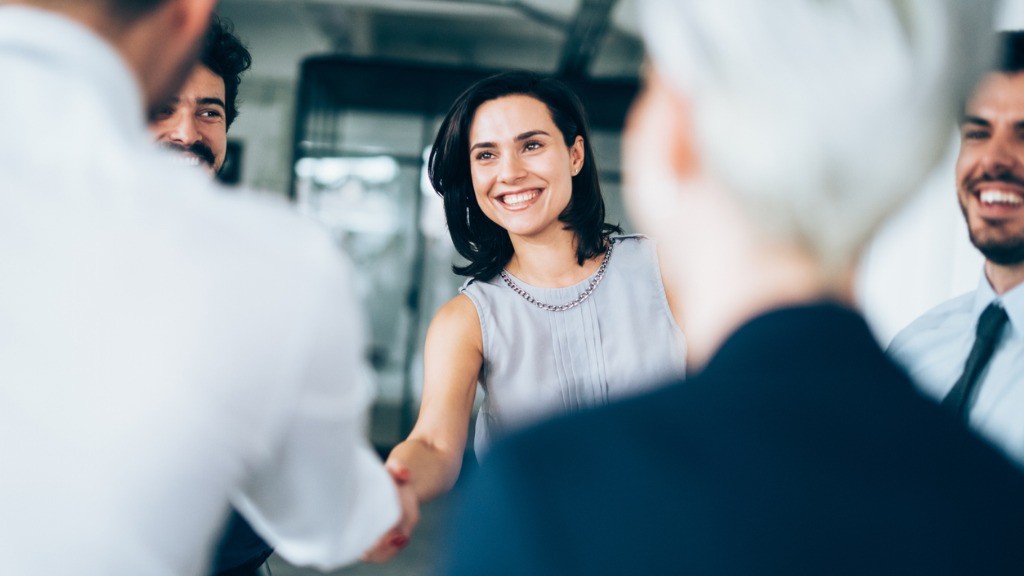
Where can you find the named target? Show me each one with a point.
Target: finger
(379, 553)
(386, 549)
(410, 510)
(399, 472)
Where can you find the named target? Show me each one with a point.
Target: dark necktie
(989, 325)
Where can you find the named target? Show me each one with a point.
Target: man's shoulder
(947, 320)
(244, 227)
(269, 222)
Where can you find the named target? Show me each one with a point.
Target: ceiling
(579, 38)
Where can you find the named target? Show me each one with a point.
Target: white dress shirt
(934, 349)
(165, 346)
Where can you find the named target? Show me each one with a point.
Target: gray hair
(820, 116)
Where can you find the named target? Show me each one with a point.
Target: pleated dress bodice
(538, 363)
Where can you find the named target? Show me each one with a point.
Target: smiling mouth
(1000, 197)
(190, 160)
(518, 199)
(195, 154)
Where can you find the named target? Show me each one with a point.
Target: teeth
(517, 199)
(999, 197)
(188, 160)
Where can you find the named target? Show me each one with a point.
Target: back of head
(819, 116)
(157, 39)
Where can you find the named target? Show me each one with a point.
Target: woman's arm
(432, 454)
(428, 462)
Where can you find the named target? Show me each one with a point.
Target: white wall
(920, 258)
(279, 37)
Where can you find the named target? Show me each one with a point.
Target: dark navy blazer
(799, 449)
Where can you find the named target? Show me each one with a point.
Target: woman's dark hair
(478, 239)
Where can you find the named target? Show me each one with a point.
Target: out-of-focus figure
(968, 353)
(769, 141)
(195, 122)
(165, 348)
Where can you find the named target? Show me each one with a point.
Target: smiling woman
(521, 180)
(549, 321)
(531, 113)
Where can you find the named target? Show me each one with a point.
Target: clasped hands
(395, 539)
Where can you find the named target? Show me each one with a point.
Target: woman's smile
(519, 200)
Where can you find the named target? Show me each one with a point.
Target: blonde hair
(820, 116)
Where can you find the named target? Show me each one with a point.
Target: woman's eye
(484, 156)
(532, 145)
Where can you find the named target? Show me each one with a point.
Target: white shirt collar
(1012, 301)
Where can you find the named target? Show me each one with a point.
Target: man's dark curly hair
(224, 54)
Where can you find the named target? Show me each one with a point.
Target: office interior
(343, 101)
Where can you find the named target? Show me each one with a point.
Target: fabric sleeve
(323, 497)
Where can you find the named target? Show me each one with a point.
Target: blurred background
(344, 99)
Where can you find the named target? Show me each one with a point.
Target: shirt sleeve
(323, 497)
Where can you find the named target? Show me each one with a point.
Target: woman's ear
(577, 155)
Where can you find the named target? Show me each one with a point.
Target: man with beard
(197, 119)
(968, 353)
(166, 349)
(195, 122)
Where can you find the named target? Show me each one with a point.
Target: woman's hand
(395, 539)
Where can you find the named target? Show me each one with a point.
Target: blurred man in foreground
(195, 122)
(968, 353)
(768, 143)
(164, 347)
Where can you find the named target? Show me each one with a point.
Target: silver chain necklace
(568, 305)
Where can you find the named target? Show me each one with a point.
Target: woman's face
(522, 170)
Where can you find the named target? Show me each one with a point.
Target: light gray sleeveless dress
(537, 363)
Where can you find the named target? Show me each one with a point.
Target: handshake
(395, 539)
